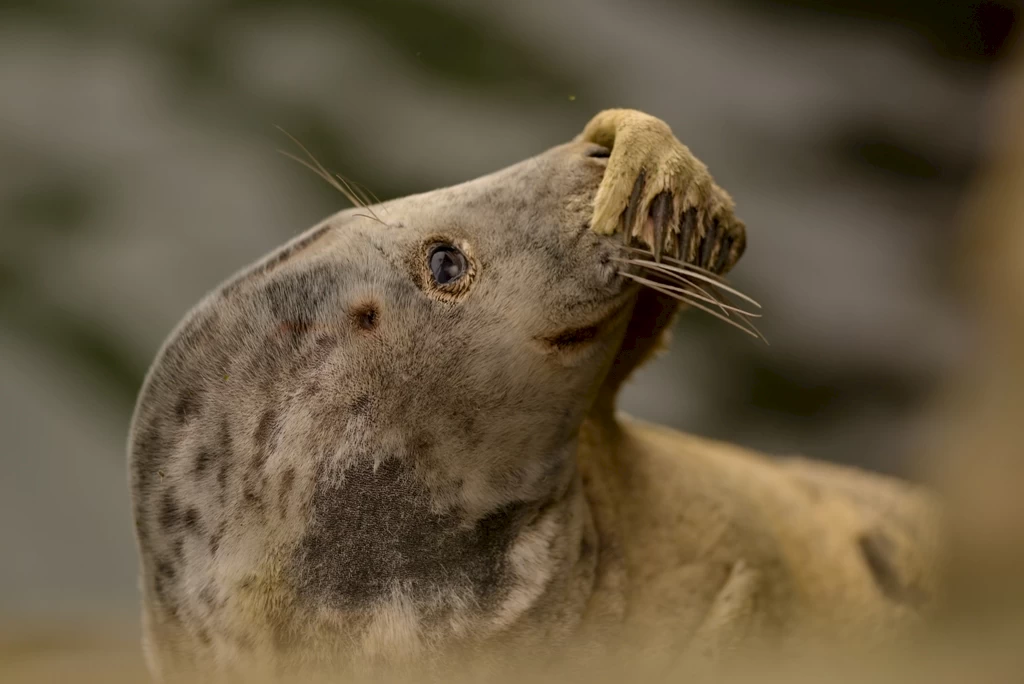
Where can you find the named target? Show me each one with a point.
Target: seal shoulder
(899, 524)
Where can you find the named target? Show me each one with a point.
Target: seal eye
(447, 264)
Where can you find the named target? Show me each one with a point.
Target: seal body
(394, 439)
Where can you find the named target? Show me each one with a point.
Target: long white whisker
(698, 276)
(345, 187)
(367, 191)
(751, 324)
(364, 201)
(685, 296)
(711, 300)
(678, 262)
(372, 218)
(319, 167)
(752, 331)
(709, 295)
(685, 282)
(327, 177)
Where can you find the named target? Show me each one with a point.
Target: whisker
(748, 322)
(372, 218)
(359, 191)
(367, 191)
(319, 168)
(752, 331)
(345, 187)
(708, 296)
(356, 190)
(711, 300)
(683, 283)
(698, 276)
(726, 308)
(687, 272)
(683, 264)
(327, 177)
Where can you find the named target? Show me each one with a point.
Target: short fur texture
(338, 464)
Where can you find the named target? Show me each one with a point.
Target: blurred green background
(138, 168)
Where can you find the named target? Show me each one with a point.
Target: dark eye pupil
(447, 264)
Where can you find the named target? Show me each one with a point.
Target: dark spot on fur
(202, 462)
(287, 482)
(348, 559)
(170, 513)
(252, 499)
(422, 443)
(325, 342)
(208, 597)
(264, 431)
(188, 405)
(191, 520)
(215, 541)
(165, 570)
(360, 405)
(365, 316)
(294, 329)
(226, 446)
(203, 636)
(224, 441)
(877, 550)
(468, 420)
(296, 298)
(222, 478)
(178, 550)
(311, 389)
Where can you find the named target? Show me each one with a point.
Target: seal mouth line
(580, 336)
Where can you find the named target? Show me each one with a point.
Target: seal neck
(652, 316)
